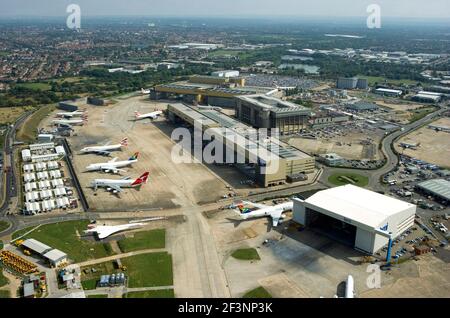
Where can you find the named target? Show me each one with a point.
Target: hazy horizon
(439, 9)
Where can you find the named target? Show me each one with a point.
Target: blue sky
(332, 8)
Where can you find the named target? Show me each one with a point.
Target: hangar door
(335, 229)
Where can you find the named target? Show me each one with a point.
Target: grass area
(144, 240)
(89, 280)
(421, 113)
(149, 270)
(3, 225)
(4, 294)
(246, 254)
(259, 292)
(35, 86)
(8, 115)
(3, 279)
(28, 131)
(339, 179)
(163, 293)
(373, 80)
(97, 296)
(224, 53)
(63, 236)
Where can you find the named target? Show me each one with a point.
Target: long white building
(353, 215)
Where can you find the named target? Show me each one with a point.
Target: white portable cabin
(57, 183)
(62, 203)
(28, 168)
(42, 175)
(44, 185)
(32, 196)
(29, 177)
(30, 186)
(60, 192)
(26, 155)
(55, 174)
(41, 166)
(51, 165)
(43, 146)
(48, 205)
(60, 150)
(33, 207)
(46, 194)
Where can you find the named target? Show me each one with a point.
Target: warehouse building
(389, 92)
(55, 257)
(263, 111)
(36, 246)
(354, 216)
(438, 188)
(361, 106)
(238, 138)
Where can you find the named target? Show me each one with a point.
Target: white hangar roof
(358, 204)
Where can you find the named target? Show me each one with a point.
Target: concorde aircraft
(275, 212)
(113, 165)
(76, 113)
(152, 115)
(115, 185)
(103, 231)
(69, 122)
(106, 149)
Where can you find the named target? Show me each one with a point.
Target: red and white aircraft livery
(106, 149)
(153, 115)
(115, 186)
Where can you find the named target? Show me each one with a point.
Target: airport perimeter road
(391, 158)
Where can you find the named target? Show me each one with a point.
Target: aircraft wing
(107, 144)
(103, 152)
(276, 216)
(113, 160)
(257, 205)
(115, 187)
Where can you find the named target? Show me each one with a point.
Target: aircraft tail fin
(141, 180)
(137, 114)
(134, 157)
(124, 142)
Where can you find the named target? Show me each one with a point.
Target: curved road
(391, 157)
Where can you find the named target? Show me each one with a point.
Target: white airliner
(103, 231)
(72, 114)
(275, 212)
(106, 149)
(145, 91)
(113, 165)
(69, 122)
(152, 115)
(350, 287)
(115, 186)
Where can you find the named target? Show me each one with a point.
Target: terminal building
(262, 111)
(209, 90)
(238, 139)
(354, 216)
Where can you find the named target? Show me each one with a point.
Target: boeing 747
(106, 149)
(113, 165)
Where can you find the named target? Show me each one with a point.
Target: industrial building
(67, 106)
(438, 188)
(227, 73)
(352, 83)
(428, 97)
(55, 257)
(361, 106)
(239, 139)
(332, 159)
(263, 111)
(326, 118)
(389, 92)
(355, 216)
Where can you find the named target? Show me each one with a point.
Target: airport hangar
(354, 216)
(292, 163)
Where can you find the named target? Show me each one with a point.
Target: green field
(63, 236)
(246, 254)
(421, 113)
(149, 270)
(4, 294)
(144, 240)
(28, 131)
(373, 80)
(259, 292)
(35, 86)
(3, 279)
(223, 53)
(163, 293)
(3, 225)
(339, 179)
(97, 296)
